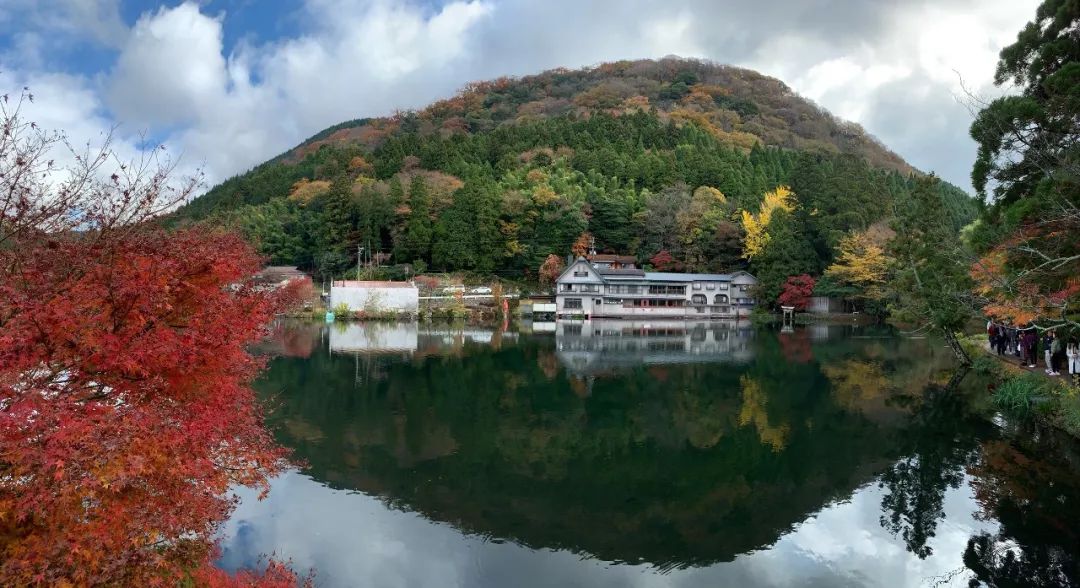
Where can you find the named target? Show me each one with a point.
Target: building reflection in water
(592, 347)
(408, 338)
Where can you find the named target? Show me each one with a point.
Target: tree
(929, 276)
(660, 218)
(582, 245)
(1030, 139)
(862, 263)
(787, 253)
(663, 261)
(416, 241)
(125, 409)
(1029, 161)
(756, 226)
(797, 292)
(551, 269)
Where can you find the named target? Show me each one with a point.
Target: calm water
(667, 454)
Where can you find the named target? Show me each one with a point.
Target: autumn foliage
(125, 408)
(665, 262)
(551, 269)
(861, 262)
(797, 292)
(1032, 275)
(757, 225)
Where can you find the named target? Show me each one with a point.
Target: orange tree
(125, 409)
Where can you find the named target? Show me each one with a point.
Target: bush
(1070, 413)
(985, 364)
(1015, 394)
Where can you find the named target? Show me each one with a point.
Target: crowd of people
(1058, 353)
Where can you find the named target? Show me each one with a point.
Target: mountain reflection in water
(620, 453)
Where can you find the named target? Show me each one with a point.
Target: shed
(375, 296)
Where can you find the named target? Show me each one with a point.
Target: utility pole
(359, 256)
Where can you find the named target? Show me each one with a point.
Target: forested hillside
(670, 157)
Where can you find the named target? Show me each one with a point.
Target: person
(1030, 343)
(991, 335)
(1002, 339)
(1047, 341)
(1057, 355)
(1073, 355)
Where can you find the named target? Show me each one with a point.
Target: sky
(227, 84)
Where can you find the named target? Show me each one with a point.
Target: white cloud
(171, 70)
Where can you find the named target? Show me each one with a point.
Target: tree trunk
(957, 349)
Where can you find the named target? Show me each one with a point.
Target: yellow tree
(861, 263)
(756, 226)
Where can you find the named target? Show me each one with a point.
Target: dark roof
(679, 277)
(621, 272)
(611, 257)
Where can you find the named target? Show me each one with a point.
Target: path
(1040, 365)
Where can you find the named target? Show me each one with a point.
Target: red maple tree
(551, 269)
(125, 408)
(663, 261)
(797, 292)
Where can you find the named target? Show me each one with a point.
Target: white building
(599, 289)
(375, 297)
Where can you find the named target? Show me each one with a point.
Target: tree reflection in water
(666, 445)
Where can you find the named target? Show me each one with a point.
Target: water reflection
(613, 453)
(590, 347)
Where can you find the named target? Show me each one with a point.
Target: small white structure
(373, 297)
(371, 338)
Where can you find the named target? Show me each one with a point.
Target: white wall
(373, 336)
(376, 299)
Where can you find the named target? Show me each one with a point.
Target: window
(590, 288)
(622, 289)
(698, 299)
(723, 286)
(572, 329)
(720, 299)
(572, 304)
(653, 303)
(566, 287)
(681, 290)
(697, 285)
(581, 274)
(710, 286)
(701, 310)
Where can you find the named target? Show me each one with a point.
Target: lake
(649, 454)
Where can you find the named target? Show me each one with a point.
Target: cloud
(348, 535)
(895, 68)
(171, 69)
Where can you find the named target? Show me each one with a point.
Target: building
(375, 297)
(607, 288)
(277, 276)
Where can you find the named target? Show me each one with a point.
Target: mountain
(645, 156)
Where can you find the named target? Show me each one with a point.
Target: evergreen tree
(930, 274)
(416, 238)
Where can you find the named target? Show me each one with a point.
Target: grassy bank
(1023, 392)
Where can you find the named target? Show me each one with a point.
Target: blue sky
(227, 84)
